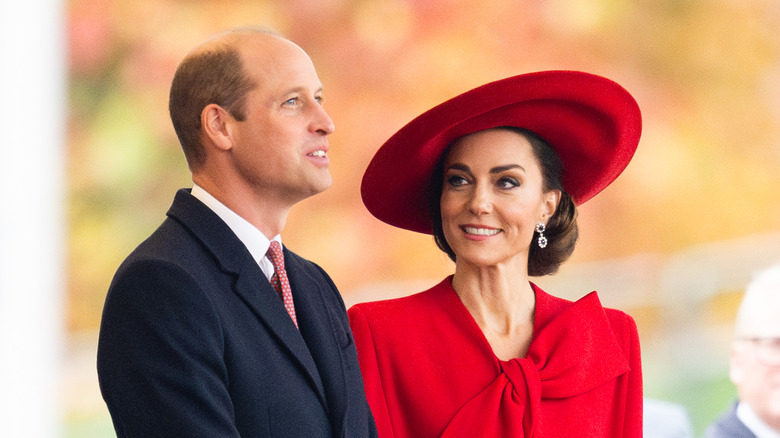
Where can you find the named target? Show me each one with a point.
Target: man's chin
(324, 184)
(317, 187)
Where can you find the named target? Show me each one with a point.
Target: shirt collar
(748, 416)
(254, 240)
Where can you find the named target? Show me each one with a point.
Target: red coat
(430, 372)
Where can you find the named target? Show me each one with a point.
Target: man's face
(280, 149)
(755, 367)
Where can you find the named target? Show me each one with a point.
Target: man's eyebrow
(298, 89)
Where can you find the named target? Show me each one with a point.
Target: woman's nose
(480, 202)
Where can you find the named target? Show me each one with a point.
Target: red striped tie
(279, 280)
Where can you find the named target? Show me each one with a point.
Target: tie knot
(275, 255)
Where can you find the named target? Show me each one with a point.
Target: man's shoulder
(189, 231)
(171, 234)
(170, 241)
(300, 267)
(728, 425)
(298, 263)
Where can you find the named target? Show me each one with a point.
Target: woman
(495, 174)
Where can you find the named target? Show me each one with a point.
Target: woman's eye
(508, 183)
(456, 181)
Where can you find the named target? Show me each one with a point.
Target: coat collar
(250, 284)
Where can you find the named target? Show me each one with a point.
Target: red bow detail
(574, 353)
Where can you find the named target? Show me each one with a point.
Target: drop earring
(542, 241)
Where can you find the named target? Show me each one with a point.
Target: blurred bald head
(759, 312)
(755, 354)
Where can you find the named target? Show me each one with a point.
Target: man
(755, 364)
(195, 339)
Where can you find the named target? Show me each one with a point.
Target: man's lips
(318, 151)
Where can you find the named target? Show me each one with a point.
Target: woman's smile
(480, 231)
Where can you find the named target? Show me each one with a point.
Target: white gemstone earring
(542, 241)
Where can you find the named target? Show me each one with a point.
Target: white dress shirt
(748, 416)
(255, 241)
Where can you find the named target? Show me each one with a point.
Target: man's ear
(215, 124)
(736, 369)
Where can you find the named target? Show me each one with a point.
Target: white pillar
(32, 157)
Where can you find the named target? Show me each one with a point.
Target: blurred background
(673, 241)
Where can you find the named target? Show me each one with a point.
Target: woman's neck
(501, 301)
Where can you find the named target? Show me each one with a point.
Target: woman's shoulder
(417, 302)
(551, 306)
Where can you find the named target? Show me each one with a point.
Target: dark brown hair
(561, 230)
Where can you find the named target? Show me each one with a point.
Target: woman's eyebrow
(461, 167)
(500, 169)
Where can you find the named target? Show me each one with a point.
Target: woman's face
(492, 198)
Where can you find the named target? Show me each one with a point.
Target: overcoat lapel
(324, 334)
(261, 297)
(251, 285)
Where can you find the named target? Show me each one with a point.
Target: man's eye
(773, 343)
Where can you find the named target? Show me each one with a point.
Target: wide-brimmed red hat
(592, 123)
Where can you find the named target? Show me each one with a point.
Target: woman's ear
(215, 126)
(551, 200)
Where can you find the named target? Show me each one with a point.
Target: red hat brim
(593, 124)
